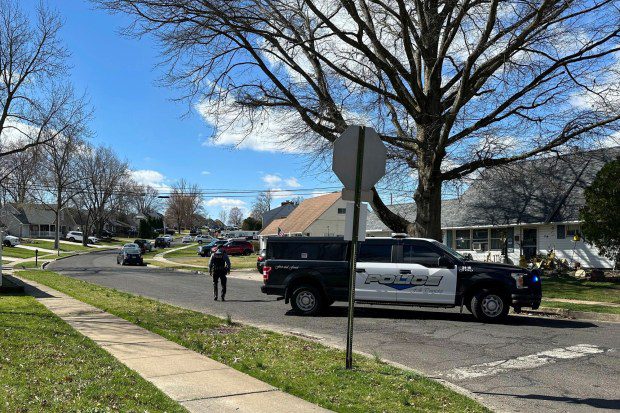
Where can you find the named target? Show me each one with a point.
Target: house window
(342, 211)
(572, 230)
(481, 239)
(497, 234)
(449, 240)
(561, 231)
(463, 239)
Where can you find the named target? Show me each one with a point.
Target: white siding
(579, 251)
(331, 222)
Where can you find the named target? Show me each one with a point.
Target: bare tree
(184, 202)
(143, 198)
(262, 204)
(235, 217)
(18, 173)
(102, 176)
(452, 86)
(36, 102)
(222, 216)
(58, 179)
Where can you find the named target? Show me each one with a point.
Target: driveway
(526, 364)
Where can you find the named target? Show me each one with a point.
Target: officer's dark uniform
(219, 267)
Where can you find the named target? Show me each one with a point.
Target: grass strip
(309, 370)
(581, 307)
(16, 252)
(575, 289)
(45, 365)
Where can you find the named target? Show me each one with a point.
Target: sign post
(359, 162)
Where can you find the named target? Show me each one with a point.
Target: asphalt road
(526, 364)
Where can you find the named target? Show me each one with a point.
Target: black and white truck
(312, 273)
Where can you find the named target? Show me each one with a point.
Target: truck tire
(7, 243)
(490, 306)
(306, 300)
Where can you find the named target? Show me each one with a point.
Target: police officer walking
(219, 267)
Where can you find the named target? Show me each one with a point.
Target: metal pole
(1, 248)
(354, 244)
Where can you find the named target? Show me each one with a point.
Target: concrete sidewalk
(195, 381)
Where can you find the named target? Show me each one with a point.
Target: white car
(169, 237)
(78, 236)
(203, 238)
(10, 241)
(186, 239)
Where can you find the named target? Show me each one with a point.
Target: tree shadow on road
(416, 314)
(612, 404)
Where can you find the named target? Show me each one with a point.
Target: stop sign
(345, 157)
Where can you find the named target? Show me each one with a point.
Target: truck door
(376, 271)
(422, 280)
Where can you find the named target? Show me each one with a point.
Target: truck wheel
(7, 243)
(306, 300)
(490, 306)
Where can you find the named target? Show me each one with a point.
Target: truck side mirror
(445, 262)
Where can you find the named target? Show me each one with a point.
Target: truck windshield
(450, 251)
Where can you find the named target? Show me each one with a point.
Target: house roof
(36, 214)
(282, 211)
(273, 226)
(306, 214)
(541, 190)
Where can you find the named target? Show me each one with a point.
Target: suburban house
(35, 220)
(533, 205)
(314, 217)
(283, 211)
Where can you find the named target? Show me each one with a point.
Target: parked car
(10, 241)
(162, 242)
(130, 254)
(187, 239)
(237, 247)
(145, 245)
(78, 236)
(203, 238)
(205, 250)
(169, 237)
(260, 260)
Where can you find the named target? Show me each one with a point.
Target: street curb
(574, 315)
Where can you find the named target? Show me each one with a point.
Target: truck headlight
(519, 279)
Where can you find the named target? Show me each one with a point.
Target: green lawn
(17, 252)
(190, 251)
(581, 307)
(303, 368)
(575, 289)
(49, 245)
(48, 366)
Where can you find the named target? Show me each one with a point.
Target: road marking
(525, 362)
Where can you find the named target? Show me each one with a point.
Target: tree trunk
(57, 232)
(428, 202)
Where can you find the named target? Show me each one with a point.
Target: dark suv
(312, 273)
(161, 242)
(237, 247)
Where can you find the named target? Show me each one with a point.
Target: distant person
(219, 267)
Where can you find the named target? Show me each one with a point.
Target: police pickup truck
(312, 273)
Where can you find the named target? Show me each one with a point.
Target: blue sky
(137, 117)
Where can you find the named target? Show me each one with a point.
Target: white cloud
(205, 173)
(269, 132)
(292, 182)
(151, 178)
(279, 193)
(270, 179)
(225, 202)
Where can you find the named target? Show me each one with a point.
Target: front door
(529, 243)
(422, 280)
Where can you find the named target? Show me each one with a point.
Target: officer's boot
(215, 292)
